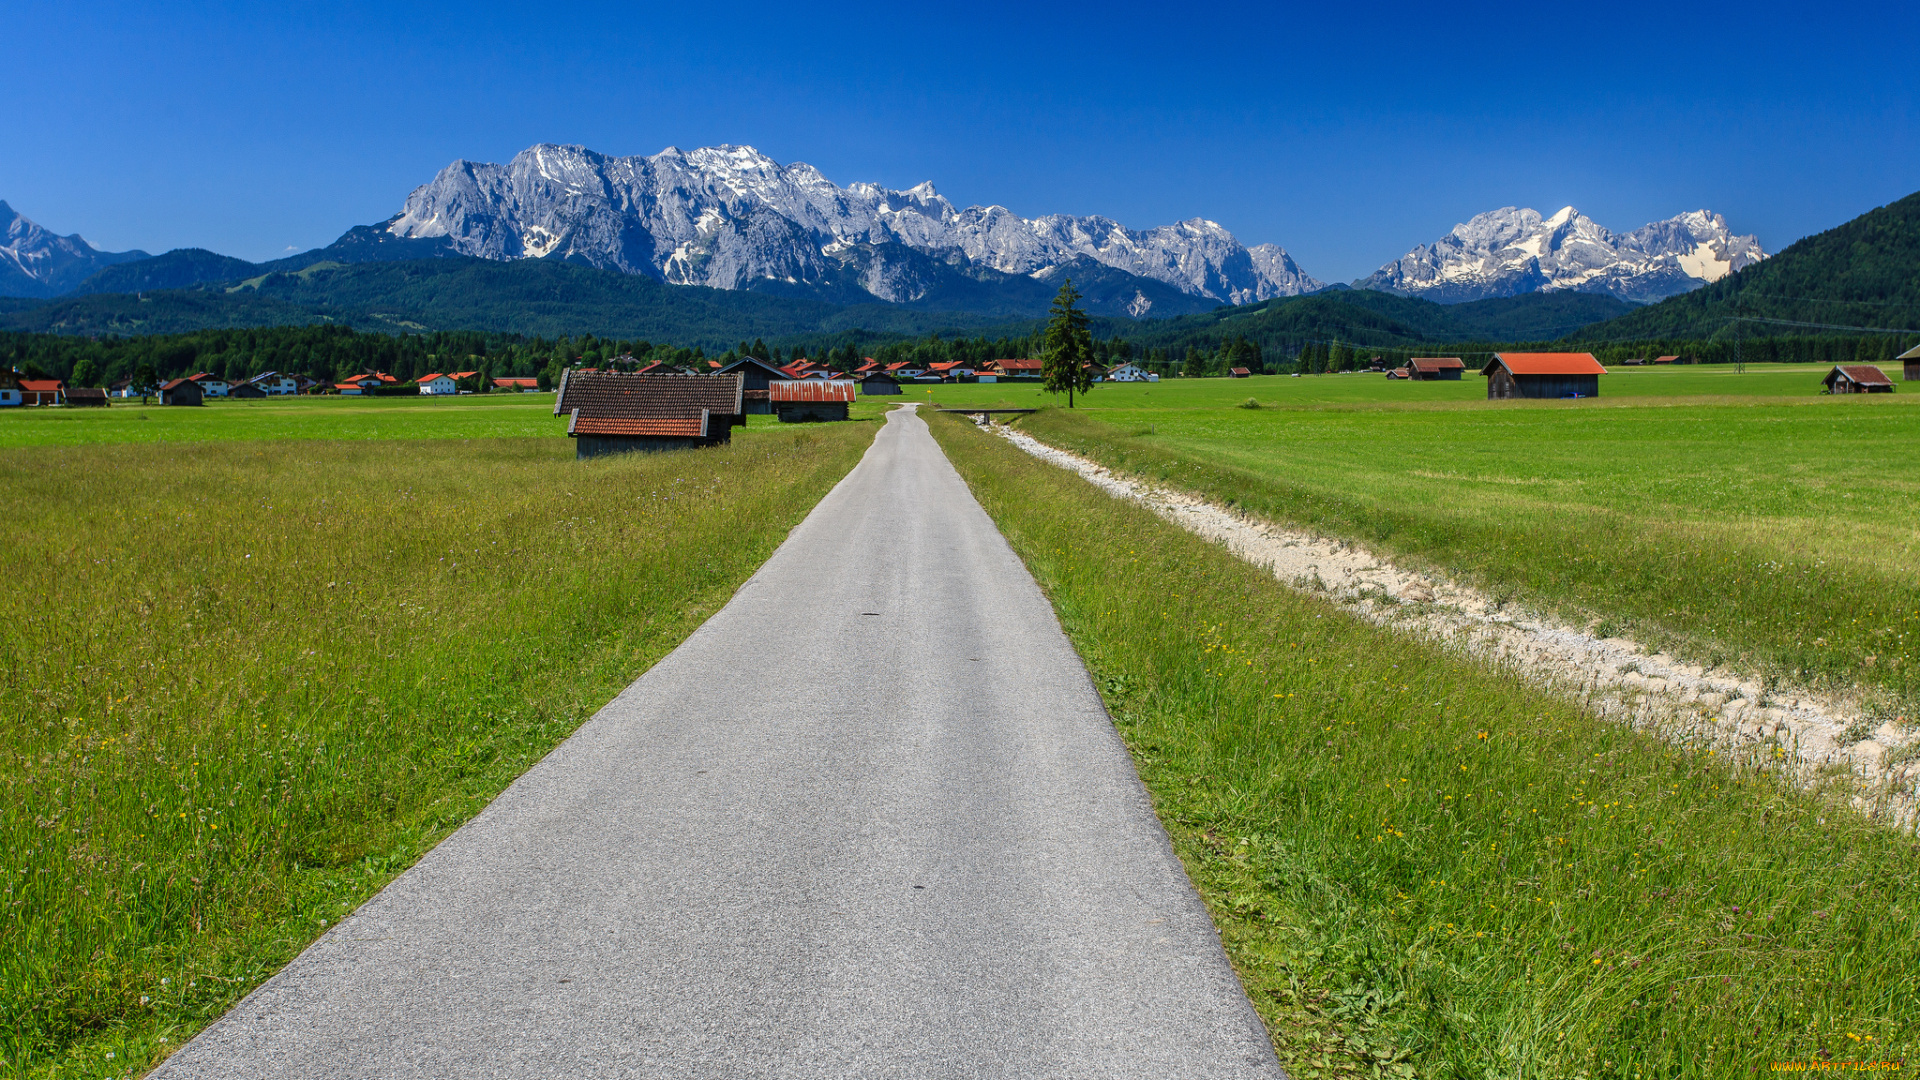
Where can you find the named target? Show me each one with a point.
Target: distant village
(1509, 375)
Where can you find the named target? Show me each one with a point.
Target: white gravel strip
(1820, 736)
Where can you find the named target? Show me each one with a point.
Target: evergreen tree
(1069, 346)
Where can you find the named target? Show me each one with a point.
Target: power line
(1822, 326)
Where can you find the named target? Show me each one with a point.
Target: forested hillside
(1865, 273)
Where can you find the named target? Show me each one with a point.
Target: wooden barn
(1239, 373)
(1542, 375)
(801, 400)
(610, 412)
(1435, 368)
(1857, 379)
(86, 397)
(1910, 362)
(181, 392)
(879, 382)
(758, 375)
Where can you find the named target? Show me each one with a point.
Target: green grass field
(1774, 531)
(1424, 866)
(245, 683)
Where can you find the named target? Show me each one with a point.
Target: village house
(758, 375)
(1542, 375)
(514, 383)
(1857, 379)
(1910, 363)
(1131, 372)
(1435, 368)
(436, 384)
(274, 384)
(9, 389)
(369, 383)
(1019, 369)
(211, 385)
(612, 412)
(43, 391)
(801, 400)
(181, 392)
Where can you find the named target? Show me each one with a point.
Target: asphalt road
(870, 820)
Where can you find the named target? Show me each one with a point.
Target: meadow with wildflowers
(1776, 535)
(1423, 866)
(243, 684)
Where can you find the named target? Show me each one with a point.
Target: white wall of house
(213, 387)
(442, 385)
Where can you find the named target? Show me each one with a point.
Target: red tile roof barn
(690, 426)
(1435, 363)
(1019, 365)
(1665, 359)
(1547, 363)
(610, 394)
(811, 390)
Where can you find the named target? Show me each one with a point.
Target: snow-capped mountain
(731, 217)
(1510, 251)
(35, 262)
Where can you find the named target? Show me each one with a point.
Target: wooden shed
(1910, 361)
(1857, 379)
(801, 400)
(87, 397)
(879, 382)
(1542, 375)
(1435, 368)
(758, 375)
(1238, 373)
(611, 412)
(181, 392)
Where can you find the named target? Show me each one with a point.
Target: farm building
(1018, 369)
(800, 400)
(1542, 375)
(1910, 361)
(879, 382)
(43, 392)
(1666, 359)
(435, 383)
(758, 375)
(610, 412)
(1435, 368)
(1857, 379)
(245, 390)
(181, 392)
(87, 396)
(512, 384)
(1238, 373)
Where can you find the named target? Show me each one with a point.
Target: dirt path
(1818, 737)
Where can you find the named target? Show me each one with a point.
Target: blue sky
(1346, 133)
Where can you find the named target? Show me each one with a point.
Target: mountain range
(732, 218)
(1511, 251)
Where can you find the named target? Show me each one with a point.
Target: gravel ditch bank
(1819, 738)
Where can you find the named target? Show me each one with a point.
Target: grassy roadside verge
(243, 685)
(1424, 867)
(1762, 534)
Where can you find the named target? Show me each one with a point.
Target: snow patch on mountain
(728, 216)
(1512, 250)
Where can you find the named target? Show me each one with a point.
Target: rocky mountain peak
(732, 217)
(36, 262)
(1515, 250)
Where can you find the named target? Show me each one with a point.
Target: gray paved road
(869, 821)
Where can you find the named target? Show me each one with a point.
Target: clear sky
(1347, 133)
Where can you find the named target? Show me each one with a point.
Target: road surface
(870, 820)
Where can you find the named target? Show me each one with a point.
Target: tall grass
(1771, 534)
(1423, 866)
(242, 685)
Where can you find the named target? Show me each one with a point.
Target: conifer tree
(1069, 346)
